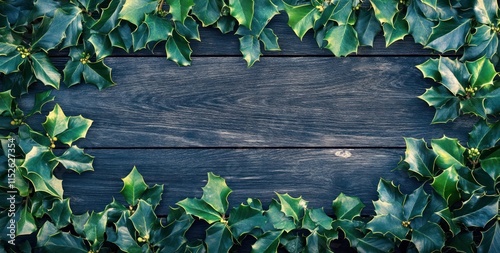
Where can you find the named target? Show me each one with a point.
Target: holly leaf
(64, 242)
(367, 27)
(200, 209)
(374, 243)
(6, 100)
(477, 211)
(278, 219)
(250, 48)
(388, 223)
(482, 72)
(316, 243)
(243, 219)
(342, 40)
(490, 240)
(121, 37)
(50, 185)
(56, 122)
(490, 165)
(430, 69)
(218, 238)
(269, 39)
(60, 213)
(342, 13)
(179, 9)
(483, 42)
(301, 18)
(153, 195)
(449, 152)
(437, 96)
(124, 237)
(484, 135)
(159, 28)
(95, 227)
(449, 35)
(243, 11)
(419, 157)
(292, 207)
(385, 10)
(207, 11)
(10, 62)
(415, 204)
(109, 17)
(486, 11)
(143, 218)
(216, 192)
(454, 75)
(446, 185)
(134, 10)
(41, 99)
(140, 37)
(189, 29)
(264, 11)
(75, 159)
(98, 74)
(26, 224)
(178, 50)
(428, 238)
(397, 31)
(419, 26)
(102, 45)
(77, 128)
(267, 243)
(44, 70)
(133, 187)
(52, 30)
(346, 207)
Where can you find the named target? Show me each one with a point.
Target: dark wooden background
(300, 121)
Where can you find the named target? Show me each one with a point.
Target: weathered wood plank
(282, 102)
(318, 175)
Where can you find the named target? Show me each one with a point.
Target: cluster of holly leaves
(455, 210)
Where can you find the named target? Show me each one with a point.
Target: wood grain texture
(318, 175)
(282, 102)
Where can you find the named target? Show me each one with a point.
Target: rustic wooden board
(318, 175)
(280, 102)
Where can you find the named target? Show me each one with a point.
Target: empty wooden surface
(300, 121)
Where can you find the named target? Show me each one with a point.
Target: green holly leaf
(437, 96)
(419, 26)
(474, 105)
(172, 237)
(269, 39)
(477, 211)
(388, 192)
(133, 187)
(318, 217)
(388, 223)
(10, 62)
(140, 37)
(44, 70)
(316, 243)
(153, 195)
(143, 218)
(41, 99)
(159, 28)
(95, 227)
(367, 27)
(56, 122)
(342, 40)
(484, 135)
(374, 243)
(75, 159)
(264, 11)
(189, 29)
(216, 192)
(482, 72)
(243, 219)
(200, 209)
(64, 242)
(109, 17)
(430, 69)
(134, 10)
(346, 207)
(178, 50)
(415, 204)
(292, 207)
(243, 11)
(267, 243)
(121, 37)
(490, 240)
(218, 238)
(250, 48)
(419, 157)
(52, 30)
(60, 213)
(446, 184)
(78, 127)
(385, 10)
(449, 152)
(490, 165)
(102, 45)
(6, 100)
(483, 42)
(486, 11)
(449, 35)
(397, 31)
(301, 18)
(98, 74)
(179, 9)
(26, 224)
(343, 13)
(72, 72)
(52, 185)
(125, 236)
(207, 11)
(6, 48)
(428, 238)
(454, 75)
(278, 219)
